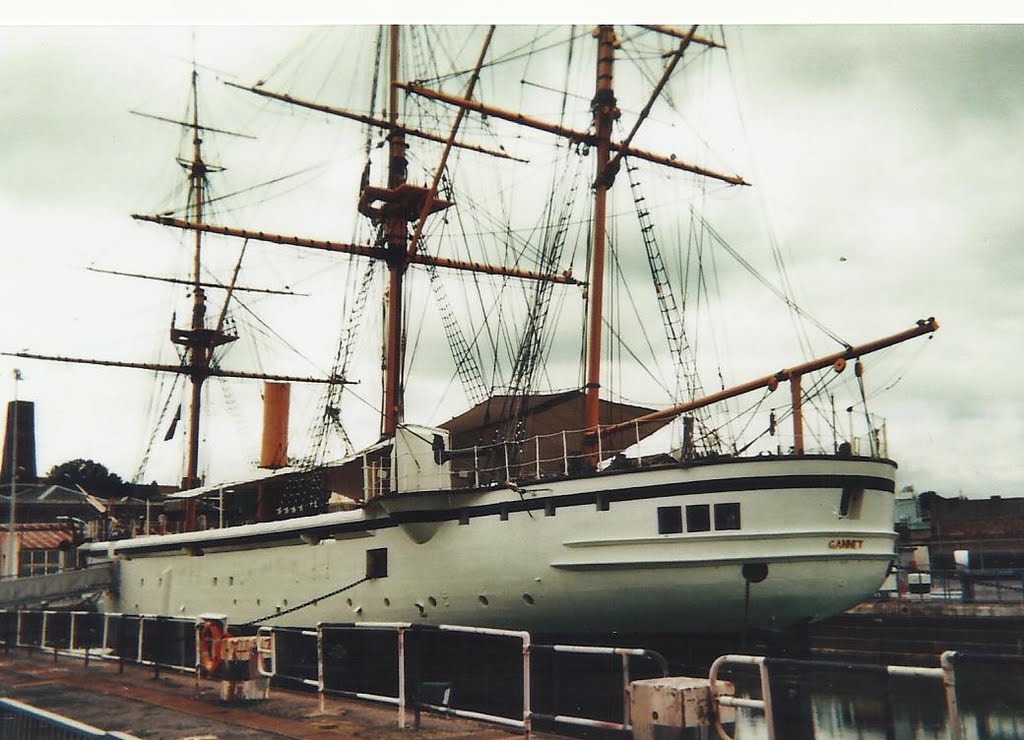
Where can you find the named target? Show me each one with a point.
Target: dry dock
(169, 707)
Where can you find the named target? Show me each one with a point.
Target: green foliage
(90, 475)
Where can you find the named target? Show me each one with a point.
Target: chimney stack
(21, 420)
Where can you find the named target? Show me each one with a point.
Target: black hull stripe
(739, 486)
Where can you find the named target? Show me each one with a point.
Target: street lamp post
(12, 566)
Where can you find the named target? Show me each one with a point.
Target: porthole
(483, 600)
(387, 601)
(432, 601)
(348, 601)
(231, 580)
(528, 599)
(215, 580)
(142, 581)
(257, 602)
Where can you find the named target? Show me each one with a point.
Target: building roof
(41, 536)
(52, 495)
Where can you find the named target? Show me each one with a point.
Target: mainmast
(396, 237)
(605, 114)
(199, 342)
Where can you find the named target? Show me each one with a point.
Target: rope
(303, 605)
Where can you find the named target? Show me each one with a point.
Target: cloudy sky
(885, 159)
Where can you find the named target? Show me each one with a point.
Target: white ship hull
(590, 554)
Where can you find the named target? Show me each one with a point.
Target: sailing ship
(545, 510)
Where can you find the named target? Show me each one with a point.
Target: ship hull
(765, 542)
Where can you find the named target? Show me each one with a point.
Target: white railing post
(527, 711)
(142, 622)
(42, 635)
(565, 452)
(627, 719)
(600, 450)
(476, 466)
(320, 665)
(508, 472)
(949, 684)
(401, 678)
(639, 457)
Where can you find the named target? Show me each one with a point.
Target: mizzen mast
(606, 112)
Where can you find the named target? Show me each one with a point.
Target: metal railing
(399, 696)
(150, 640)
(19, 720)
(171, 642)
(946, 673)
(968, 585)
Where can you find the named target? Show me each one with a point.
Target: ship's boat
(560, 494)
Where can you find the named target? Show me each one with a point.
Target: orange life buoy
(210, 647)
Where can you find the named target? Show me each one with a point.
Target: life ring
(211, 653)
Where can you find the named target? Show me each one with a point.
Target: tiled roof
(41, 536)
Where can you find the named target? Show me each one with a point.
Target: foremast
(198, 341)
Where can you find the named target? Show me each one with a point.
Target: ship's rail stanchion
(626, 654)
(266, 649)
(764, 703)
(946, 672)
(524, 723)
(399, 699)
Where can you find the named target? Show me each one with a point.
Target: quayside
(558, 497)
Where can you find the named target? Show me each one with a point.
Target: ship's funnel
(274, 451)
(21, 421)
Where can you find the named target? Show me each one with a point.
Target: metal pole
(401, 678)
(527, 712)
(949, 684)
(320, 665)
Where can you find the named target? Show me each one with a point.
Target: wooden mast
(396, 235)
(605, 114)
(198, 357)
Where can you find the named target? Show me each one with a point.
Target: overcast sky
(886, 160)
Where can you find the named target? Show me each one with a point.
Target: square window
(727, 516)
(670, 519)
(698, 518)
(377, 563)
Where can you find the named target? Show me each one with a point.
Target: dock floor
(169, 706)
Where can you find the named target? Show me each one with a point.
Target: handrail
(946, 672)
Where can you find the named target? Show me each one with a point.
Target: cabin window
(601, 502)
(670, 519)
(727, 516)
(377, 563)
(698, 518)
(549, 508)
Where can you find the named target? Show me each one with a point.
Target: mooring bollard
(678, 706)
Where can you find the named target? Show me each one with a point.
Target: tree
(90, 475)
